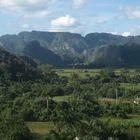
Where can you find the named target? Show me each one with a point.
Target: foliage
(12, 128)
(75, 116)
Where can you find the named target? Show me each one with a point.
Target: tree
(46, 69)
(65, 116)
(12, 128)
(53, 135)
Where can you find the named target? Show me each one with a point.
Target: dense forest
(88, 107)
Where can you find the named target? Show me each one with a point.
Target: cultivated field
(43, 128)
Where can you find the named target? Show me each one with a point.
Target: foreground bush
(12, 128)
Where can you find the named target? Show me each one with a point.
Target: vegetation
(13, 128)
(35, 99)
(123, 56)
(69, 49)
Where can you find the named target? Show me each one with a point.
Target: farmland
(65, 102)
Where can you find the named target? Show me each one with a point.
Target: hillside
(127, 55)
(34, 50)
(99, 39)
(64, 48)
(16, 66)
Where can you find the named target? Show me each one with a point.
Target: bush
(12, 128)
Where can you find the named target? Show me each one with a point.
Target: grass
(82, 72)
(130, 86)
(91, 72)
(41, 128)
(100, 100)
(113, 101)
(134, 131)
(131, 123)
(118, 121)
(61, 98)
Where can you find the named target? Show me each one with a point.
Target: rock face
(34, 50)
(64, 48)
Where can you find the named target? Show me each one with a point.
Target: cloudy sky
(80, 16)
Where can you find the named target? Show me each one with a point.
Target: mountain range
(64, 48)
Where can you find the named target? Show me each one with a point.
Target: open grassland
(130, 86)
(82, 72)
(62, 98)
(43, 128)
(100, 100)
(133, 124)
(89, 72)
(113, 101)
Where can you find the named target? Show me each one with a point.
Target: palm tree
(19, 76)
(65, 117)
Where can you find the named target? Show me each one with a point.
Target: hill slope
(15, 66)
(34, 50)
(127, 55)
(70, 48)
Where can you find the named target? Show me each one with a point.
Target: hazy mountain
(127, 55)
(34, 50)
(99, 39)
(69, 48)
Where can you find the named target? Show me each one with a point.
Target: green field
(85, 72)
(82, 72)
(130, 86)
(43, 128)
(61, 98)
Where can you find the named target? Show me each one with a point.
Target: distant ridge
(66, 48)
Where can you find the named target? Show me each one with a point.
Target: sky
(77, 16)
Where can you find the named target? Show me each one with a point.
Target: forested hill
(15, 67)
(64, 48)
(127, 55)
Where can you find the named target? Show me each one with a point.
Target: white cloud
(7, 3)
(131, 12)
(126, 34)
(64, 21)
(24, 4)
(25, 26)
(79, 3)
(114, 33)
(27, 8)
(38, 14)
